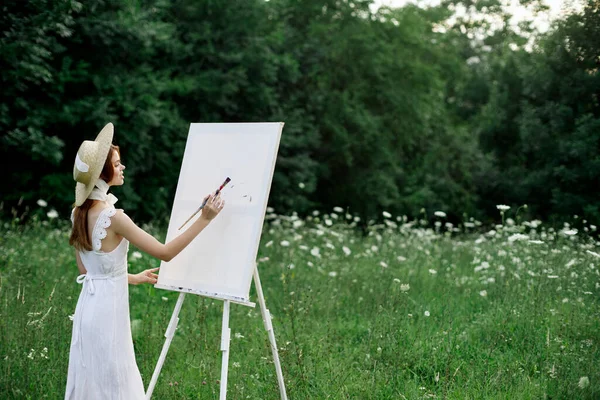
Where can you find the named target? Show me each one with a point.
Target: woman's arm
(124, 226)
(80, 265)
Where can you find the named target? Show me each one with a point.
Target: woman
(102, 360)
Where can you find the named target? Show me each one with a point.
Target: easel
(225, 340)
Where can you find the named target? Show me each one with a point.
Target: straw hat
(89, 162)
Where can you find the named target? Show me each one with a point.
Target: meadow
(409, 309)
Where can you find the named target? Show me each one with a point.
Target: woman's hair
(80, 238)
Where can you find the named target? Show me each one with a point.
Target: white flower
(338, 209)
(136, 254)
(270, 209)
(333, 274)
(552, 276)
(432, 271)
(387, 214)
(536, 242)
(517, 236)
(163, 298)
(52, 214)
(301, 185)
(405, 287)
(483, 293)
(284, 243)
(346, 251)
(396, 280)
(315, 252)
(41, 203)
(503, 207)
(570, 232)
(383, 264)
(238, 335)
(328, 222)
(400, 258)
(592, 253)
(440, 214)
(269, 243)
(427, 313)
(584, 382)
(374, 249)
(236, 364)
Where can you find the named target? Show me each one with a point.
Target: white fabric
(81, 166)
(102, 223)
(102, 360)
(100, 192)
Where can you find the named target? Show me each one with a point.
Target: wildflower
(238, 335)
(483, 293)
(374, 249)
(440, 214)
(552, 276)
(269, 243)
(387, 214)
(432, 271)
(338, 209)
(236, 364)
(517, 236)
(328, 222)
(400, 258)
(592, 253)
(503, 207)
(301, 185)
(41, 203)
(536, 242)
(383, 264)
(298, 223)
(291, 266)
(405, 287)
(332, 274)
(136, 254)
(284, 243)
(427, 313)
(396, 280)
(270, 209)
(584, 382)
(52, 214)
(570, 232)
(346, 251)
(315, 252)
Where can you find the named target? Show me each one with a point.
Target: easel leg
(225, 340)
(269, 327)
(169, 335)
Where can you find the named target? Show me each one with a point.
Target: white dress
(102, 361)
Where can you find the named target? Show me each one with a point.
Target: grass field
(408, 311)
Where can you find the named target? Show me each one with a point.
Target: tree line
(396, 109)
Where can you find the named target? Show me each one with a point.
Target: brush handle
(204, 203)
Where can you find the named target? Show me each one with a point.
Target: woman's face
(118, 178)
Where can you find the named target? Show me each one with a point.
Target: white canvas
(219, 262)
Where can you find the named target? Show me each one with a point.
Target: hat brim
(104, 140)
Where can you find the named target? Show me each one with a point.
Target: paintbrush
(204, 202)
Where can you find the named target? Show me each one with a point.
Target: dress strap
(102, 223)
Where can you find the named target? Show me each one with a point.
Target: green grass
(507, 319)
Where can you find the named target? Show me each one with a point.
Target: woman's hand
(213, 207)
(147, 276)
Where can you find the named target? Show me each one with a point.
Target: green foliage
(391, 110)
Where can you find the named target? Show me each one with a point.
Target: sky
(557, 8)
